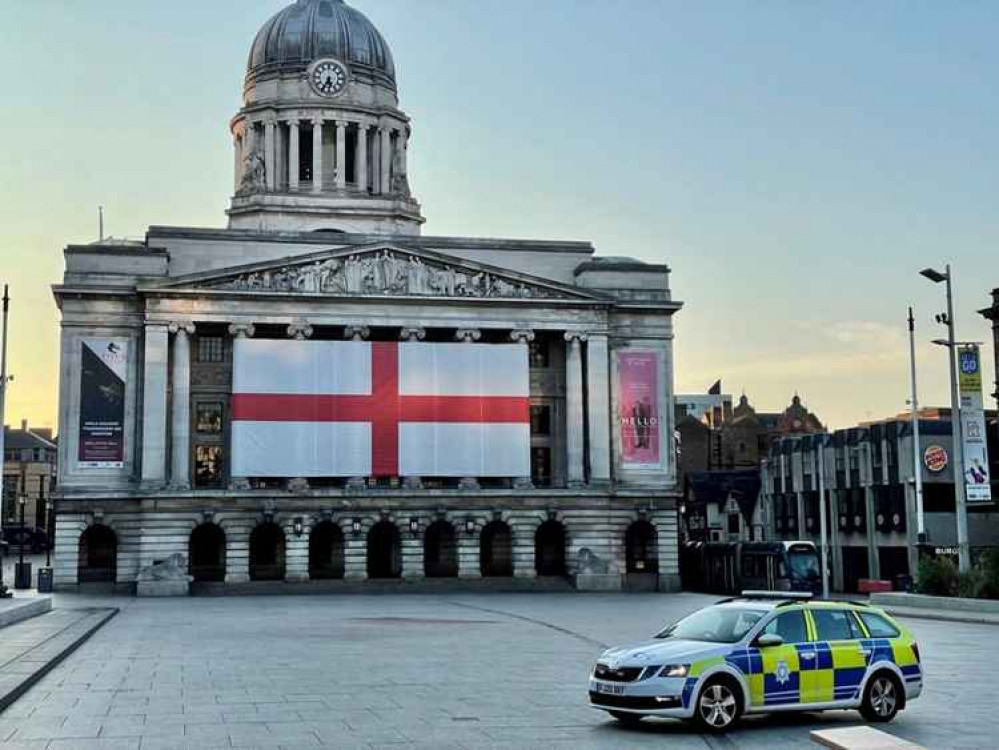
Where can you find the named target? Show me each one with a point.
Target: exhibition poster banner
(978, 487)
(104, 372)
(639, 409)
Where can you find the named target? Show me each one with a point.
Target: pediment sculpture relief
(384, 273)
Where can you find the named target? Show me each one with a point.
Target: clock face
(328, 78)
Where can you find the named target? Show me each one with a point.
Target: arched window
(267, 553)
(496, 550)
(641, 548)
(206, 553)
(98, 555)
(549, 549)
(326, 558)
(440, 551)
(384, 551)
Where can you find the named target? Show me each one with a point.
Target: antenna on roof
(100, 223)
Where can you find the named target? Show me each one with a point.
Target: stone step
(20, 608)
(391, 586)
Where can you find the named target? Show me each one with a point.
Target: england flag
(383, 409)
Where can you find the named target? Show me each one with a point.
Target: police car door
(781, 667)
(836, 670)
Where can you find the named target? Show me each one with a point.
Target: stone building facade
(325, 244)
(29, 473)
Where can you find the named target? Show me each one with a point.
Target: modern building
(29, 472)
(321, 391)
(869, 475)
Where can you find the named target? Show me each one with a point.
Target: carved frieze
(385, 272)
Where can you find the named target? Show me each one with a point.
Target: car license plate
(610, 689)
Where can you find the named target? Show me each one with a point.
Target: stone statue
(587, 562)
(174, 568)
(254, 178)
(400, 181)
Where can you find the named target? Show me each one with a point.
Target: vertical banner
(639, 409)
(976, 458)
(103, 374)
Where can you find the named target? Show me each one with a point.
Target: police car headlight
(675, 670)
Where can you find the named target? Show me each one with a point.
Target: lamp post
(4, 380)
(48, 533)
(917, 471)
(823, 533)
(964, 551)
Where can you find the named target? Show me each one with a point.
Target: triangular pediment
(382, 270)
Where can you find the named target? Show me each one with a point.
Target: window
(878, 626)
(539, 356)
(208, 418)
(211, 349)
(719, 624)
(208, 465)
(541, 466)
(790, 626)
(541, 420)
(733, 523)
(835, 625)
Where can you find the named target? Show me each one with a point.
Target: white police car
(760, 653)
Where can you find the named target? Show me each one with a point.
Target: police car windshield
(718, 624)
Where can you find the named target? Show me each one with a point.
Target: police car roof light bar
(785, 595)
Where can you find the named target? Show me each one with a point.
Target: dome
(311, 29)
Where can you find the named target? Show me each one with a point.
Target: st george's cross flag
(383, 409)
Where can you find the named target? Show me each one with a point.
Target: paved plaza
(416, 671)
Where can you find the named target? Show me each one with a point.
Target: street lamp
(964, 552)
(48, 533)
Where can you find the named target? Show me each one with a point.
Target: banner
(639, 412)
(978, 487)
(383, 409)
(104, 372)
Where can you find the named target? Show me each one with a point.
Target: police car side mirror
(769, 639)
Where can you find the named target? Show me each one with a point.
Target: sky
(795, 164)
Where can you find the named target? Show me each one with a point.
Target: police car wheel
(629, 720)
(882, 698)
(718, 706)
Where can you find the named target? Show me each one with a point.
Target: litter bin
(22, 576)
(902, 582)
(45, 580)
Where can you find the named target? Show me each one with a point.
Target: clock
(328, 77)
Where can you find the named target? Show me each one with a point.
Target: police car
(763, 652)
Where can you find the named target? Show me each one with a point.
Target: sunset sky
(796, 164)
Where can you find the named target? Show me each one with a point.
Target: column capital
(342, 124)
(300, 331)
(356, 333)
(468, 335)
(522, 335)
(412, 334)
(363, 126)
(242, 330)
(575, 337)
(184, 327)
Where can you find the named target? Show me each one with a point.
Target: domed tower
(320, 140)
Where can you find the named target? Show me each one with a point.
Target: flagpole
(4, 380)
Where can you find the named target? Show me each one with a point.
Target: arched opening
(98, 560)
(440, 551)
(384, 551)
(206, 553)
(496, 550)
(326, 552)
(267, 553)
(549, 549)
(641, 548)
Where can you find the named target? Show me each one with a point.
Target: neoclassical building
(320, 391)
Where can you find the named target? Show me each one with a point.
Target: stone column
(523, 530)
(294, 155)
(270, 162)
(469, 551)
(317, 155)
(598, 400)
(468, 336)
(574, 408)
(296, 552)
(524, 337)
(180, 418)
(361, 157)
(355, 555)
(239, 331)
(299, 331)
(873, 560)
(154, 405)
(385, 151)
(412, 551)
(356, 333)
(237, 550)
(341, 155)
(237, 147)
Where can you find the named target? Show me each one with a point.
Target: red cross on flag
(354, 408)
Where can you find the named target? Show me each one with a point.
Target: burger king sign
(935, 458)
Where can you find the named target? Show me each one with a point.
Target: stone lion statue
(174, 568)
